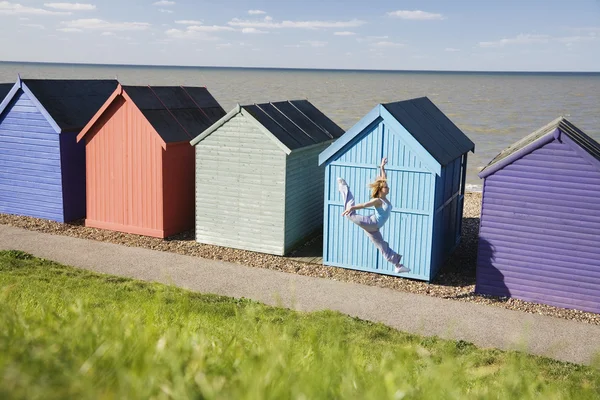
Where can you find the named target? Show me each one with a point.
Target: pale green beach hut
(258, 183)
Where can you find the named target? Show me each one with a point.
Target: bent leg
(389, 254)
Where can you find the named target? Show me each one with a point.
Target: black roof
(177, 113)
(71, 102)
(4, 89)
(296, 123)
(562, 124)
(431, 128)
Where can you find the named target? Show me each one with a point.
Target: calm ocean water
(493, 109)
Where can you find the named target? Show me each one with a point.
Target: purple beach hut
(42, 167)
(539, 237)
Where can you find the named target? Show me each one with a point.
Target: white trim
(216, 125)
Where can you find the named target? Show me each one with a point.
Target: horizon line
(299, 68)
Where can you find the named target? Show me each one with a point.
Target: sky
(466, 35)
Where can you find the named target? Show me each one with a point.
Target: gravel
(455, 281)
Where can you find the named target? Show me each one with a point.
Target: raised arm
(382, 167)
(371, 203)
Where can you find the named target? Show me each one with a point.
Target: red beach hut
(139, 161)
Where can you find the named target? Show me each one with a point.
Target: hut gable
(366, 147)
(538, 238)
(176, 113)
(426, 133)
(580, 142)
(292, 124)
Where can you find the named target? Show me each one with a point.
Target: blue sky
(490, 35)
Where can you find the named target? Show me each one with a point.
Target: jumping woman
(374, 222)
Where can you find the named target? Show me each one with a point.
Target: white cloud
(370, 39)
(69, 30)
(71, 6)
(256, 12)
(223, 45)
(188, 22)
(451, 49)
(211, 28)
(189, 34)
(253, 30)
(37, 26)
(164, 10)
(569, 40)
(163, 3)
(314, 43)
(519, 40)
(269, 24)
(108, 34)
(416, 15)
(386, 44)
(8, 8)
(344, 33)
(99, 24)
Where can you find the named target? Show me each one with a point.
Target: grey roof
(71, 102)
(177, 113)
(431, 128)
(4, 89)
(560, 123)
(296, 123)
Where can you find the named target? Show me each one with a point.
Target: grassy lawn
(68, 333)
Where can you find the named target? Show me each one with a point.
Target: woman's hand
(383, 162)
(348, 211)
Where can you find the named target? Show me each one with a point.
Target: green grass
(68, 333)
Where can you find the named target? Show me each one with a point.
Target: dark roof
(431, 128)
(71, 103)
(563, 125)
(4, 89)
(295, 123)
(177, 113)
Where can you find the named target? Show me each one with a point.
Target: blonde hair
(377, 186)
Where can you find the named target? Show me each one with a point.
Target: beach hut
(427, 159)
(140, 165)
(42, 168)
(540, 220)
(258, 183)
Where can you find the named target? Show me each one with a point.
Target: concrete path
(485, 326)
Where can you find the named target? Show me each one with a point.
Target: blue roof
(432, 129)
(177, 113)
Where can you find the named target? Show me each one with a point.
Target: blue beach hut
(427, 159)
(42, 168)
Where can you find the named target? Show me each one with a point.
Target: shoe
(341, 182)
(400, 269)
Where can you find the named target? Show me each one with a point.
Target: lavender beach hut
(427, 159)
(540, 220)
(42, 168)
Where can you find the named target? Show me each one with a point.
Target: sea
(494, 109)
